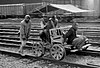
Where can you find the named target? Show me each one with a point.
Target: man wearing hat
(25, 29)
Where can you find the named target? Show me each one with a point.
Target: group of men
(47, 24)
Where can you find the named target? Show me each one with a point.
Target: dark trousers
(79, 42)
(45, 36)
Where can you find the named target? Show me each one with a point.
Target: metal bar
(68, 65)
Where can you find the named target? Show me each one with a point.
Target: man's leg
(82, 42)
(23, 43)
(43, 36)
(79, 42)
(48, 37)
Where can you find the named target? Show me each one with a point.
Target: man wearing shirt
(73, 39)
(25, 29)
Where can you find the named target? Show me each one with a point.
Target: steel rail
(68, 64)
(86, 52)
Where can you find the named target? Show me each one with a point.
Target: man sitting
(45, 35)
(73, 39)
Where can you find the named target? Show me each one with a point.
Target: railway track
(9, 39)
(66, 64)
(14, 48)
(9, 46)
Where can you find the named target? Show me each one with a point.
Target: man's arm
(22, 30)
(42, 23)
(29, 30)
(67, 35)
(46, 25)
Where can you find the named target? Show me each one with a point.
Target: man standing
(44, 20)
(25, 29)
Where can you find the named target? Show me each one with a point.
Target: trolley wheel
(57, 51)
(38, 49)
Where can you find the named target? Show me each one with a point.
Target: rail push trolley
(57, 50)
